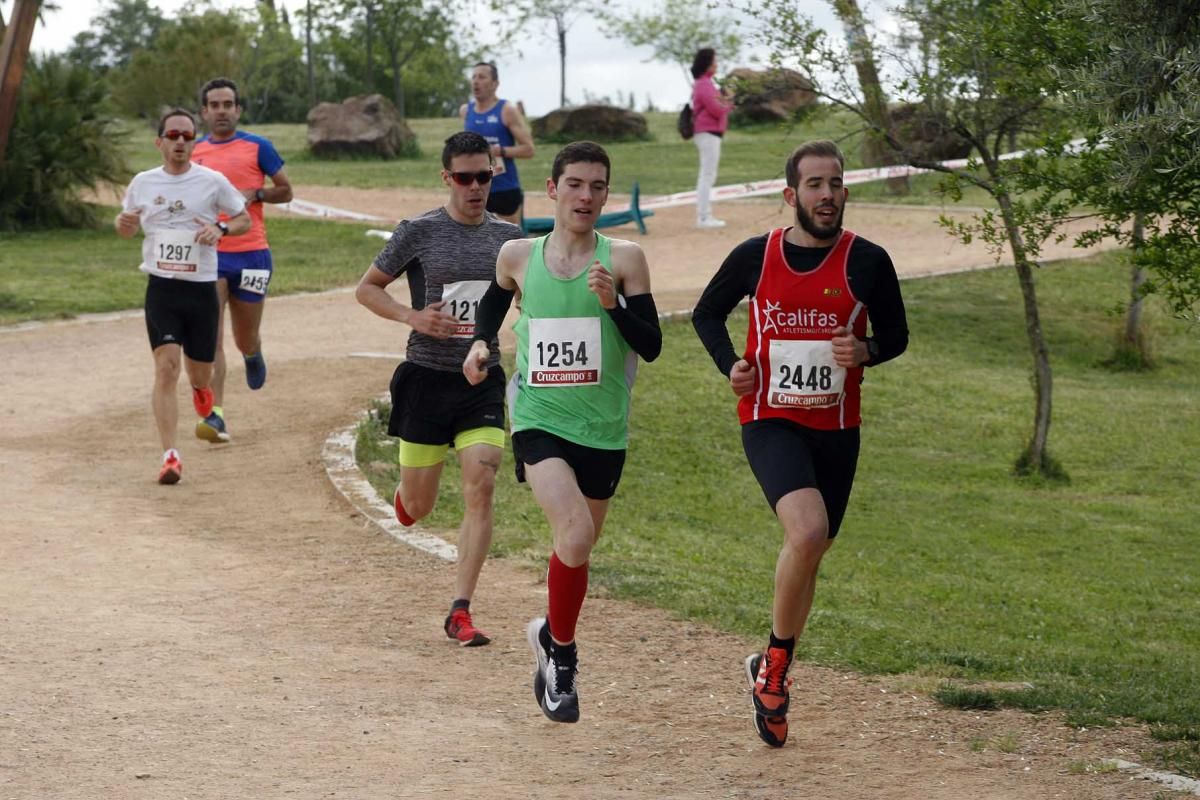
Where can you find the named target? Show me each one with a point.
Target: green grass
(663, 165)
(947, 565)
(96, 270)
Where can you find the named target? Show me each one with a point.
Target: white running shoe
(710, 223)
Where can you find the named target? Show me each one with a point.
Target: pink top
(709, 109)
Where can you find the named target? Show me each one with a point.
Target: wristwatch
(259, 194)
(223, 228)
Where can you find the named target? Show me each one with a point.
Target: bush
(63, 140)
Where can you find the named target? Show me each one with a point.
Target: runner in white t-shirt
(176, 206)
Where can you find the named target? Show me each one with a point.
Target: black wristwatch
(259, 194)
(223, 228)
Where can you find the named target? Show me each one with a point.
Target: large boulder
(364, 125)
(927, 134)
(773, 95)
(595, 122)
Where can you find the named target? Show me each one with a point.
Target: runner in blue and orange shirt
(244, 262)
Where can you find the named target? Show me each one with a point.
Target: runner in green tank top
(586, 315)
(574, 369)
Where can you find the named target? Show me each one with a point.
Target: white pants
(709, 145)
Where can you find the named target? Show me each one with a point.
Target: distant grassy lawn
(664, 165)
(947, 567)
(62, 273)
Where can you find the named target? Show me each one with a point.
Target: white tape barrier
(306, 209)
(736, 191)
(732, 191)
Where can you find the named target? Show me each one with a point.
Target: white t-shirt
(174, 208)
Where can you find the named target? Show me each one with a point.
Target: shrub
(63, 141)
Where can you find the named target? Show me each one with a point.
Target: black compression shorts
(785, 456)
(183, 313)
(596, 471)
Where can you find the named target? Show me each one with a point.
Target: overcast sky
(602, 66)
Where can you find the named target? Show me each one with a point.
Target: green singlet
(574, 369)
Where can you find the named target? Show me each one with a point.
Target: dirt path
(244, 634)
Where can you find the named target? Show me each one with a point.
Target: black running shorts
(596, 471)
(432, 406)
(785, 456)
(507, 202)
(183, 313)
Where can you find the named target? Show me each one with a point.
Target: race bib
(255, 280)
(804, 375)
(176, 251)
(498, 167)
(462, 302)
(564, 352)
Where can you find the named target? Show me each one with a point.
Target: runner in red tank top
(813, 287)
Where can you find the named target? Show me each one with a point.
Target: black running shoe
(553, 683)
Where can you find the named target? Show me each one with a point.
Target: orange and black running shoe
(767, 675)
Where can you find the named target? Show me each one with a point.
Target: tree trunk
(876, 152)
(14, 50)
(1133, 316)
(370, 79)
(561, 29)
(308, 55)
(397, 84)
(1035, 458)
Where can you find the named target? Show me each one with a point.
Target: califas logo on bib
(780, 320)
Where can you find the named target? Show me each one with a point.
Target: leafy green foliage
(63, 141)
(185, 54)
(417, 53)
(122, 28)
(1139, 82)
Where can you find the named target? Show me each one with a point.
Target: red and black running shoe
(459, 627)
(769, 683)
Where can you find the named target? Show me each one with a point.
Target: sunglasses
(187, 136)
(484, 177)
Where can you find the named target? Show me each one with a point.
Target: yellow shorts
(430, 455)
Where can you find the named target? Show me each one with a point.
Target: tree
(186, 53)
(874, 103)
(64, 139)
(424, 53)
(996, 75)
(558, 15)
(1140, 82)
(269, 75)
(122, 28)
(675, 31)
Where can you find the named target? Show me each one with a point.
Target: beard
(815, 229)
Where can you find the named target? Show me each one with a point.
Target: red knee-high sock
(566, 587)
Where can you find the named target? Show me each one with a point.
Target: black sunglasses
(173, 134)
(484, 177)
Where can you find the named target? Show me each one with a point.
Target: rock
(595, 122)
(926, 134)
(773, 95)
(364, 125)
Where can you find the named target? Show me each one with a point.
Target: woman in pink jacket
(710, 110)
